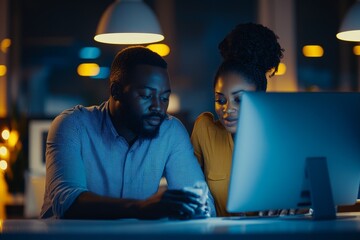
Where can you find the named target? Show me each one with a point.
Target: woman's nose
(229, 108)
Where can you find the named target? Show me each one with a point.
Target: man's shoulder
(80, 115)
(171, 121)
(80, 111)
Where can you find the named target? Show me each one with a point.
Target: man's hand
(178, 204)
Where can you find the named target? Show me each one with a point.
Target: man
(106, 161)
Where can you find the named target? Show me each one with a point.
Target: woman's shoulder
(205, 120)
(205, 117)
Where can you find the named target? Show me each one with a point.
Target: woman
(249, 52)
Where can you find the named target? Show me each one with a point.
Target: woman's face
(228, 90)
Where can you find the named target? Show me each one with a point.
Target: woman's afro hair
(252, 44)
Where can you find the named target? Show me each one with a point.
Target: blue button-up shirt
(85, 153)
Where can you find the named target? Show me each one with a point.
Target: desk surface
(347, 226)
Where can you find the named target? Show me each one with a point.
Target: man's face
(146, 100)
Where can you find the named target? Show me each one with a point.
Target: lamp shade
(350, 27)
(128, 22)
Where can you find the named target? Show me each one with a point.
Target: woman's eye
(221, 101)
(237, 99)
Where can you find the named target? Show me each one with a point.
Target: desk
(213, 228)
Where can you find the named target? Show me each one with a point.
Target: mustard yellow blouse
(213, 147)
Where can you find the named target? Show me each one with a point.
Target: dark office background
(48, 35)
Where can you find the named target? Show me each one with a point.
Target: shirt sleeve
(195, 136)
(182, 169)
(65, 173)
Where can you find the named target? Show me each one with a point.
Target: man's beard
(137, 125)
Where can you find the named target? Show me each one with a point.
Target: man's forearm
(91, 206)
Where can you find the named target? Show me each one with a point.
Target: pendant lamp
(128, 22)
(350, 27)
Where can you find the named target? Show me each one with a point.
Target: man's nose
(155, 104)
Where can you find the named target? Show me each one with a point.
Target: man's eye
(144, 96)
(165, 99)
(221, 101)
